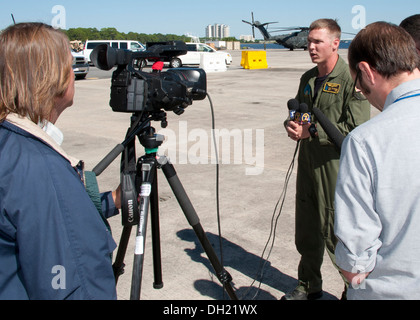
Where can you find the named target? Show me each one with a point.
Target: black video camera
(133, 90)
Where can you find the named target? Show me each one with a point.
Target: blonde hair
(35, 69)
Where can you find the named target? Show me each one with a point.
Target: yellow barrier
(244, 58)
(254, 60)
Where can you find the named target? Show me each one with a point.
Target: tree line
(83, 34)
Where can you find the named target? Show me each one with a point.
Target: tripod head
(139, 121)
(150, 140)
(146, 135)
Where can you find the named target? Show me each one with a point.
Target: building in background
(217, 31)
(248, 38)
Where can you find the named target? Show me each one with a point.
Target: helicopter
(298, 39)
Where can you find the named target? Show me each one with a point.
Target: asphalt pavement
(255, 155)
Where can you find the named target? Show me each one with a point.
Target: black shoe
(300, 295)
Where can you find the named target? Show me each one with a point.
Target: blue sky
(192, 16)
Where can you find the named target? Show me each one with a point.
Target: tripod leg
(145, 191)
(119, 265)
(191, 215)
(155, 227)
(128, 192)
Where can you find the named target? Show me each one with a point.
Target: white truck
(193, 56)
(117, 44)
(80, 65)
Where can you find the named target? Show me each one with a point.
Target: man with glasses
(328, 87)
(377, 195)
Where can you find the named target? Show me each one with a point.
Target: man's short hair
(387, 48)
(331, 25)
(412, 26)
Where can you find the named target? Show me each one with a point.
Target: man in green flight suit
(330, 88)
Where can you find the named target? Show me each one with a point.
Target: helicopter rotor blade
(292, 28)
(253, 27)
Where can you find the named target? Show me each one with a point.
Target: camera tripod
(140, 192)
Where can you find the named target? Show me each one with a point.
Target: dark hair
(387, 48)
(412, 26)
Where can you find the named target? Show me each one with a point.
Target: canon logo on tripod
(130, 210)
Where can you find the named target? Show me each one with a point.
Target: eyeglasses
(357, 94)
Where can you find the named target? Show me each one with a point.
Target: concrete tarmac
(255, 154)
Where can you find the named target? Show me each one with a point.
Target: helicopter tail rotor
(251, 24)
(260, 26)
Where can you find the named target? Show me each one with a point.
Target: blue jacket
(53, 242)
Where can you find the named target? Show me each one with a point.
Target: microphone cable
(219, 224)
(274, 221)
(275, 216)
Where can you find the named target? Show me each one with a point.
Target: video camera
(133, 90)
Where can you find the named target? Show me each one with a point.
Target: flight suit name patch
(332, 88)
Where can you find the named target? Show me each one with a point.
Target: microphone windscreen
(293, 104)
(332, 132)
(303, 108)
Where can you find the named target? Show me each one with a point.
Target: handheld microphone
(332, 132)
(293, 106)
(305, 115)
(298, 112)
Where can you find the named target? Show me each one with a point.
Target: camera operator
(54, 239)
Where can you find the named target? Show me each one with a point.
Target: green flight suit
(318, 165)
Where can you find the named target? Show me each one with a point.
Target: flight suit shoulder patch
(307, 90)
(330, 87)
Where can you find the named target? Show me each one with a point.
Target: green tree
(111, 34)
(84, 34)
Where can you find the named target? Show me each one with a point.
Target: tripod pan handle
(105, 162)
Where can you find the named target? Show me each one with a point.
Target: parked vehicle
(80, 65)
(117, 44)
(193, 56)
